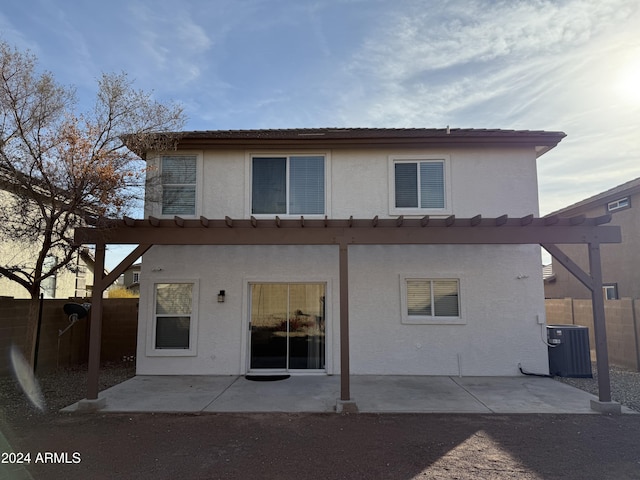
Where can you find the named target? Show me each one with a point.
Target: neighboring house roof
(38, 189)
(542, 141)
(629, 188)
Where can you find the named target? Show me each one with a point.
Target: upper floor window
(179, 184)
(610, 291)
(419, 185)
(288, 185)
(618, 204)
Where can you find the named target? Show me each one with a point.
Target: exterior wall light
(221, 296)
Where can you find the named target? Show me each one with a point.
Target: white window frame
(613, 287)
(619, 204)
(394, 159)
(151, 349)
(431, 319)
(249, 156)
(155, 188)
(247, 281)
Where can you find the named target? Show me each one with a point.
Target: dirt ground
(301, 446)
(324, 446)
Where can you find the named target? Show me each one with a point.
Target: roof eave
(541, 145)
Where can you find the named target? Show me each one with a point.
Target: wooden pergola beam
(284, 234)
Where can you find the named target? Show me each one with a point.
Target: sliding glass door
(287, 326)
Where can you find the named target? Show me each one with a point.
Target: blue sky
(570, 65)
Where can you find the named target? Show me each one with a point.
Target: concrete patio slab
(413, 394)
(295, 394)
(528, 395)
(164, 393)
(371, 393)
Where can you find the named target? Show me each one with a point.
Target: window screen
(179, 185)
(433, 298)
(288, 185)
(173, 315)
(419, 184)
(306, 185)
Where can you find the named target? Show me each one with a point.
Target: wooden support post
(345, 384)
(95, 331)
(100, 284)
(599, 325)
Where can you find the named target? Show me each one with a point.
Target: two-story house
(620, 262)
(426, 309)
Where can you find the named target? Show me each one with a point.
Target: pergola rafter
(503, 230)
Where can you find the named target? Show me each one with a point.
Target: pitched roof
(542, 141)
(628, 188)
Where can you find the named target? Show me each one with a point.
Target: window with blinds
(178, 176)
(173, 309)
(292, 185)
(432, 298)
(419, 184)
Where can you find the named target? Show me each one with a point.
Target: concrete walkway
(374, 394)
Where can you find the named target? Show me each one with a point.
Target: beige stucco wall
(501, 308)
(490, 182)
(501, 295)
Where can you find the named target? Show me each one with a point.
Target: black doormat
(266, 378)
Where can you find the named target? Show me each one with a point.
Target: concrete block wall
(622, 322)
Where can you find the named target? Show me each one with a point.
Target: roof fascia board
(403, 142)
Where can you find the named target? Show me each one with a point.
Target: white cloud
(461, 54)
(172, 42)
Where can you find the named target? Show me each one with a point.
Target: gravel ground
(60, 388)
(625, 385)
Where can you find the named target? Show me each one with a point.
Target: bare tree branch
(58, 166)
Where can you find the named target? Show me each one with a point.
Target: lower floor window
(428, 300)
(173, 311)
(432, 298)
